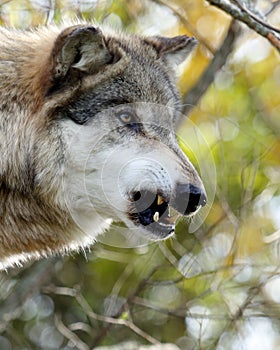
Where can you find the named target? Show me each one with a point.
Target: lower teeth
(167, 220)
(156, 216)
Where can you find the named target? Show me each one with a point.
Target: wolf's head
(114, 99)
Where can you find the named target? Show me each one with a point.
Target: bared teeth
(156, 216)
(160, 200)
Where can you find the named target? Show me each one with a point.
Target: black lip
(161, 231)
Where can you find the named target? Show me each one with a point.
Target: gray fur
(86, 126)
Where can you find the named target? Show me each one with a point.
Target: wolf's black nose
(188, 198)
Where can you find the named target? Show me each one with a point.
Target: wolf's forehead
(137, 89)
(148, 78)
(152, 82)
(138, 83)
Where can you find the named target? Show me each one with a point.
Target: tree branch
(117, 320)
(256, 18)
(68, 334)
(244, 15)
(194, 95)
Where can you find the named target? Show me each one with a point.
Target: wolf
(87, 137)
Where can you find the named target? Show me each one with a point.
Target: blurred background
(216, 284)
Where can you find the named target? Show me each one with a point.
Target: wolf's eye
(129, 120)
(126, 117)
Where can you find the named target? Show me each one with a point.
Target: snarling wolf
(86, 138)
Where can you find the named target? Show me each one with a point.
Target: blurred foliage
(216, 285)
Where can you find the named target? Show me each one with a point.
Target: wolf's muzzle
(152, 210)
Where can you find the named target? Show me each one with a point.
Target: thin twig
(116, 321)
(91, 314)
(244, 17)
(68, 334)
(149, 305)
(129, 300)
(80, 326)
(256, 18)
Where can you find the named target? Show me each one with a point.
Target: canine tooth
(160, 200)
(156, 216)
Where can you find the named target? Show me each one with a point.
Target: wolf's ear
(79, 47)
(173, 50)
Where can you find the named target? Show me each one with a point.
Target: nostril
(136, 196)
(188, 198)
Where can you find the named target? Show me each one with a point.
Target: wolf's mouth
(153, 211)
